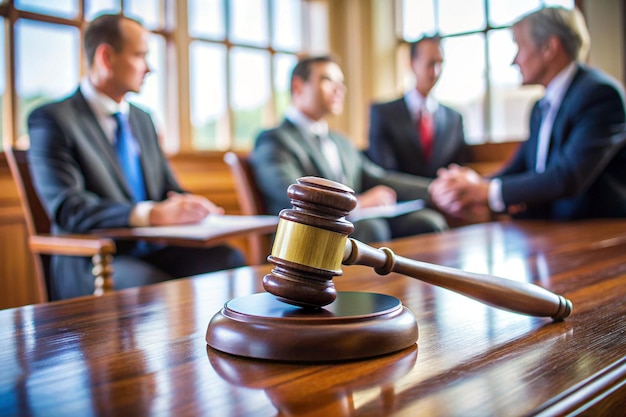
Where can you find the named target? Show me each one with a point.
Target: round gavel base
(356, 325)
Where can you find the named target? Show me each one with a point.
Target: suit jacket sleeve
(462, 153)
(518, 162)
(407, 187)
(363, 174)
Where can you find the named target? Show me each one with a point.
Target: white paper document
(211, 227)
(395, 210)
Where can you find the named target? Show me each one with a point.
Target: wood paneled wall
(207, 174)
(201, 173)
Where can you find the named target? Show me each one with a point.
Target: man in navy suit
(81, 179)
(415, 134)
(573, 166)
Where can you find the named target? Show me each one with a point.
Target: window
(55, 45)
(240, 56)
(233, 63)
(46, 40)
(478, 78)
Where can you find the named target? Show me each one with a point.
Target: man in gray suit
(303, 146)
(82, 181)
(415, 134)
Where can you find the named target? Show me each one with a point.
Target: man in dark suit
(304, 146)
(83, 182)
(416, 134)
(573, 165)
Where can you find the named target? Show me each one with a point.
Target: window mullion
(272, 52)
(228, 62)
(9, 105)
(178, 86)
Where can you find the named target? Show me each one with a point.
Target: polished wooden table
(142, 352)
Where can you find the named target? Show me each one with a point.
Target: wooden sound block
(356, 325)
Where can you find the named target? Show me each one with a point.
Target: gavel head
(310, 242)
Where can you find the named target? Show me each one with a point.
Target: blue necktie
(128, 153)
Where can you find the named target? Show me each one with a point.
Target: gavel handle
(519, 297)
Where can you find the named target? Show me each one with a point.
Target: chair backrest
(37, 220)
(248, 195)
(250, 203)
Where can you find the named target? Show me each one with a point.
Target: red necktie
(426, 132)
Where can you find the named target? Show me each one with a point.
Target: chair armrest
(71, 245)
(100, 249)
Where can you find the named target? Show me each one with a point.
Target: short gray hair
(555, 21)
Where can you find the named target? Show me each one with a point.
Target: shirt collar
(100, 103)
(416, 102)
(307, 126)
(558, 86)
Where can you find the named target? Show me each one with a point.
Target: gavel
(312, 243)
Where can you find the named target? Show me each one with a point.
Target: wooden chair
(42, 244)
(250, 203)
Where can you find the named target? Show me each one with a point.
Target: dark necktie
(543, 139)
(426, 132)
(128, 153)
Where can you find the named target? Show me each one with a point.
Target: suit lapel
(306, 150)
(97, 139)
(560, 119)
(440, 125)
(90, 124)
(409, 127)
(409, 130)
(346, 164)
(534, 135)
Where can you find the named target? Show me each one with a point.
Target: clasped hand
(460, 192)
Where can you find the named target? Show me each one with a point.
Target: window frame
(174, 29)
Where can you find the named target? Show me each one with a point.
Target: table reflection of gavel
(312, 242)
(322, 389)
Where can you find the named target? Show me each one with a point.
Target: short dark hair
(414, 45)
(303, 67)
(105, 28)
